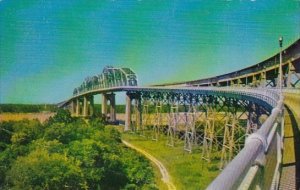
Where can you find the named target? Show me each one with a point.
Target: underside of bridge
(215, 122)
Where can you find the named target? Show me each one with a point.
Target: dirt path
(165, 175)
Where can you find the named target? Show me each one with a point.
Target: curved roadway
(165, 175)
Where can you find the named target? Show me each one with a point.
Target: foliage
(97, 122)
(68, 153)
(41, 170)
(5, 134)
(27, 108)
(62, 116)
(185, 171)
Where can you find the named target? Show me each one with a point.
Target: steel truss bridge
(239, 114)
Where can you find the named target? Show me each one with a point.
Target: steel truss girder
(188, 113)
(209, 133)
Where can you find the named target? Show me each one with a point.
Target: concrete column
(77, 107)
(85, 106)
(72, 108)
(112, 99)
(104, 105)
(128, 113)
(91, 106)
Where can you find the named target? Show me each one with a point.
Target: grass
(188, 170)
(19, 116)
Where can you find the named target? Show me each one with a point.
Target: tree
(6, 131)
(97, 123)
(41, 170)
(67, 153)
(25, 131)
(66, 133)
(62, 116)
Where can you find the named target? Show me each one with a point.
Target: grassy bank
(187, 170)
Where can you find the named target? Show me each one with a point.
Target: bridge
(240, 113)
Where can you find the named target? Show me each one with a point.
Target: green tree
(97, 123)
(25, 131)
(62, 116)
(89, 154)
(68, 153)
(41, 170)
(53, 146)
(66, 133)
(6, 132)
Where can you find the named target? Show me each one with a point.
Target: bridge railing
(258, 164)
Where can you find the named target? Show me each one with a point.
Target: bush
(41, 170)
(68, 153)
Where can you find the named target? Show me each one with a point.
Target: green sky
(47, 48)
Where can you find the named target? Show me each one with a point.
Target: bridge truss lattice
(212, 122)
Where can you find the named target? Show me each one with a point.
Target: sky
(47, 48)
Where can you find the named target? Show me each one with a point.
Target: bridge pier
(128, 113)
(85, 106)
(104, 105)
(91, 105)
(77, 107)
(112, 100)
(73, 107)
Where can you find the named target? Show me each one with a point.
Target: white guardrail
(257, 165)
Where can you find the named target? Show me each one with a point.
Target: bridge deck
(290, 176)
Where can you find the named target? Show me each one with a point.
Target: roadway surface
(290, 175)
